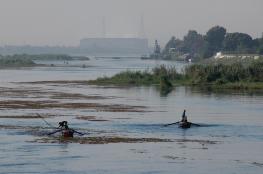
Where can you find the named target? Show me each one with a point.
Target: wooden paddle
(78, 132)
(54, 132)
(196, 124)
(179, 122)
(171, 124)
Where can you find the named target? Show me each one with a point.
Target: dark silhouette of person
(63, 125)
(184, 117)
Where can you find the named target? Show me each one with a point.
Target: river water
(230, 139)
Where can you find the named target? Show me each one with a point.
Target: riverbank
(237, 75)
(16, 61)
(25, 60)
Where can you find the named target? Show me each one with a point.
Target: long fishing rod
(45, 121)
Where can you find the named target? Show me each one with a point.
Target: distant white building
(220, 55)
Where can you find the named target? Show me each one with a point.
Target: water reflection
(222, 92)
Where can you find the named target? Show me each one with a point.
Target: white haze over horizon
(65, 22)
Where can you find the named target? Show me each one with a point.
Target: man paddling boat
(184, 117)
(183, 123)
(66, 132)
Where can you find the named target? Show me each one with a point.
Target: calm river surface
(230, 139)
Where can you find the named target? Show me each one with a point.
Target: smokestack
(141, 31)
(103, 27)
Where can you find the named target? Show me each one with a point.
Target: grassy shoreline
(237, 85)
(224, 76)
(14, 62)
(27, 61)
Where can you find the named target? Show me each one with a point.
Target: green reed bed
(218, 75)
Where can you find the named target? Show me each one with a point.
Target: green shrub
(14, 61)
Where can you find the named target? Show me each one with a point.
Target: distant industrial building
(115, 45)
(104, 45)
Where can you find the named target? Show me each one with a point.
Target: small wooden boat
(184, 125)
(67, 133)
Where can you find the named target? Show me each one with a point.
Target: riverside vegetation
(237, 75)
(16, 61)
(26, 60)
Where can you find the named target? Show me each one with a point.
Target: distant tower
(157, 48)
(103, 27)
(141, 31)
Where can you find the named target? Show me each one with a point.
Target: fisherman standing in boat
(184, 117)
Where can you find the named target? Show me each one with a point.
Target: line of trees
(216, 39)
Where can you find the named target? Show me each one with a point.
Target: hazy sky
(65, 22)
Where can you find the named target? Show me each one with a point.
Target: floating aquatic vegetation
(44, 104)
(26, 116)
(98, 140)
(39, 93)
(113, 139)
(90, 118)
(174, 157)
